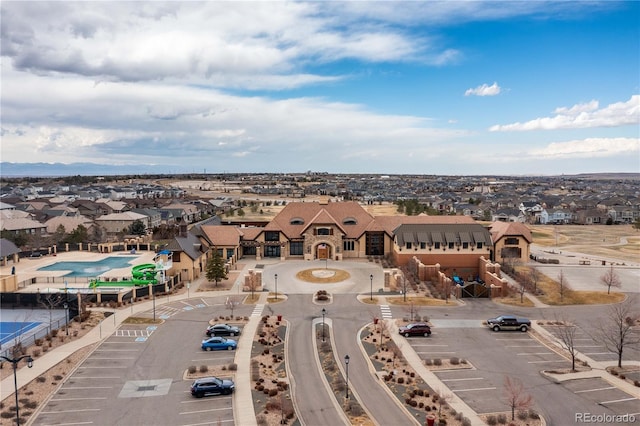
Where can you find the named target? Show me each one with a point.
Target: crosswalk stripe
(257, 311)
(386, 312)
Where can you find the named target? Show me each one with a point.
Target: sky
(440, 87)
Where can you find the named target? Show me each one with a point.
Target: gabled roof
(442, 233)
(8, 248)
(188, 244)
(221, 235)
(307, 214)
(503, 229)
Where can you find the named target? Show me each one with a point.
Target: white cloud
(589, 148)
(484, 90)
(582, 116)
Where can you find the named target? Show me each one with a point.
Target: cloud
(582, 116)
(484, 90)
(589, 148)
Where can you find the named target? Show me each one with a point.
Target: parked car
(508, 322)
(222, 330)
(212, 386)
(218, 343)
(415, 329)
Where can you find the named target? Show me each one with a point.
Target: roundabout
(323, 276)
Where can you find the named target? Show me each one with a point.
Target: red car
(415, 329)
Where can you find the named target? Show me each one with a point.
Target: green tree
(20, 239)
(78, 235)
(240, 213)
(216, 270)
(137, 228)
(60, 235)
(636, 224)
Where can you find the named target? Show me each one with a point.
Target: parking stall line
(535, 353)
(613, 401)
(523, 346)
(427, 345)
(598, 353)
(206, 411)
(472, 390)
(110, 358)
(74, 423)
(543, 362)
(595, 390)
(101, 367)
(516, 340)
(96, 377)
(86, 387)
(460, 380)
(208, 423)
(70, 411)
(201, 400)
(433, 353)
(116, 350)
(588, 346)
(79, 399)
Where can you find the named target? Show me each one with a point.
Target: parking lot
(138, 374)
(492, 356)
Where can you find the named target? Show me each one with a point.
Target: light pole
(276, 279)
(66, 317)
(15, 362)
(324, 312)
(153, 296)
(371, 291)
(346, 363)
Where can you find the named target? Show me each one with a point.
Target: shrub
(533, 414)
(437, 361)
(31, 404)
(502, 418)
(192, 369)
(400, 380)
(355, 409)
(636, 383)
(466, 422)
(491, 420)
(57, 377)
(41, 379)
(428, 361)
(233, 366)
(522, 415)
(454, 360)
(36, 352)
(261, 419)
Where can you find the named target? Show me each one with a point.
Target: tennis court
(10, 330)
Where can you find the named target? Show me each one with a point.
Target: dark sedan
(222, 330)
(415, 329)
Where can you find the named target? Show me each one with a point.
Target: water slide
(144, 274)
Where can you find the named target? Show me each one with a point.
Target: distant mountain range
(19, 170)
(81, 169)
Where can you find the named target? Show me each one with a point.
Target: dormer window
(349, 221)
(297, 221)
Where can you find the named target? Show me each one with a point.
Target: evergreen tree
(216, 270)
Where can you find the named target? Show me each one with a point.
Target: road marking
(471, 390)
(77, 399)
(542, 362)
(199, 400)
(385, 312)
(87, 367)
(429, 352)
(598, 353)
(208, 423)
(617, 400)
(110, 358)
(133, 333)
(588, 346)
(96, 377)
(459, 380)
(535, 353)
(87, 387)
(523, 346)
(515, 340)
(69, 411)
(117, 350)
(207, 411)
(595, 390)
(420, 345)
(257, 310)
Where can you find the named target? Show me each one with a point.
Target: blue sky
(461, 87)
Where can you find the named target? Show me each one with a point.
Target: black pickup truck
(508, 322)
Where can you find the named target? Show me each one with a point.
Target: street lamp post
(324, 312)
(346, 363)
(371, 291)
(153, 296)
(276, 279)
(15, 362)
(66, 317)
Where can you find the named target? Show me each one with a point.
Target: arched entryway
(323, 251)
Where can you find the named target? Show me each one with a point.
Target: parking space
(587, 345)
(599, 392)
(137, 373)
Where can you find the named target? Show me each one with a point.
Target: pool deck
(27, 268)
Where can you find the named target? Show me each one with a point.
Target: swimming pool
(90, 269)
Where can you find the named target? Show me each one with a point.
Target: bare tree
(617, 331)
(516, 396)
(231, 303)
(410, 309)
(443, 399)
(611, 279)
(534, 278)
(50, 301)
(563, 284)
(566, 333)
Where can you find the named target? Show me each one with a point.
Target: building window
(436, 245)
(323, 231)
(375, 243)
(348, 245)
(511, 241)
(451, 245)
(349, 221)
(465, 245)
(407, 245)
(479, 246)
(423, 246)
(272, 236)
(296, 248)
(229, 253)
(297, 221)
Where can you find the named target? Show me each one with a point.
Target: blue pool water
(90, 269)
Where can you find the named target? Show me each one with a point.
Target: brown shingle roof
(501, 229)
